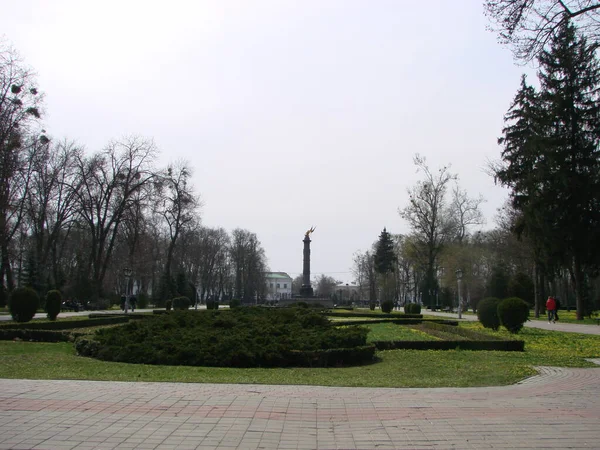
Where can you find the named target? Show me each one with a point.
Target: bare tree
(51, 204)
(527, 26)
(110, 180)
(431, 221)
(177, 204)
(465, 211)
(325, 285)
(297, 284)
(20, 105)
(249, 266)
(210, 255)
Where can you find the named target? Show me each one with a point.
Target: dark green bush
(36, 335)
(142, 301)
(241, 337)
(53, 302)
(372, 306)
(299, 305)
(487, 313)
(181, 303)
(513, 312)
(68, 324)
(387, 306)
(235, 303)
(498, 345)
(412, 308)
(23, 303)
(168, 305)
(212, 304)
(3, 296)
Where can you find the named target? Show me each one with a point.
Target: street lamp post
(459, 275)
(127, 271)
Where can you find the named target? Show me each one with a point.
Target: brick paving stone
(559, 408)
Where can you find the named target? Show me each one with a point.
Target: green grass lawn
(393, 332)
(568, 317)
(394, 368)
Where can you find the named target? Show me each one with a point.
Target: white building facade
(279, 285)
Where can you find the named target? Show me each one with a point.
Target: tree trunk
(579, 282)
(536, 291)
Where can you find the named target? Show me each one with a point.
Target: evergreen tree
(552, 159)
(385, 263)
(385, 257)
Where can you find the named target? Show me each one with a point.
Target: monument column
(306, 290)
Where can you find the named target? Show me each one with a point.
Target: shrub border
(379, 316)
(500, 345)
(65, 325)
(38, 335)
(408, 321)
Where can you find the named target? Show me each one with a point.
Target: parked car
(71, 305)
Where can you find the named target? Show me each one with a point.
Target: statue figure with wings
(309, 231)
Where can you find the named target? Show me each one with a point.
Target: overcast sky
(291, 113)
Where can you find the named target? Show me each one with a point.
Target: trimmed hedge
(37, 335)
(408, 321)
(513, 312)
(53, 303)
(23, 304)
(212, 304)
(242, 337)
(375, 315)
(120, 314)
(64, 324)
(504, 346)
(181, 303)
(487, 313)
(235, 303)
(412, 308)
(469, 334)
(387, 306)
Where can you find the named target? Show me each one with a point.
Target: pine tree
(552, 159)
(385, 256)
(385, 262)
(570, 79)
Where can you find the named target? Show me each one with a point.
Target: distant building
(347, 293)
(279, 285)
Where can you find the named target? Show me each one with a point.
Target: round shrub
(372, 306)
(235, 303)
(212, 304)
(487, 313)
(53, 302)
(181, 303)
(168, 305)
(513, 313)
(23, 303)
(412, 308)
(387, 306)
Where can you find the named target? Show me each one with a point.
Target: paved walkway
(560, 408)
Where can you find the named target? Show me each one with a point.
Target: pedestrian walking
(551, 308)
(557, 302)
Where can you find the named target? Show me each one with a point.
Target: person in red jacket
(551, 308)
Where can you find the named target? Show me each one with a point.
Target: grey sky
(292, 113)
